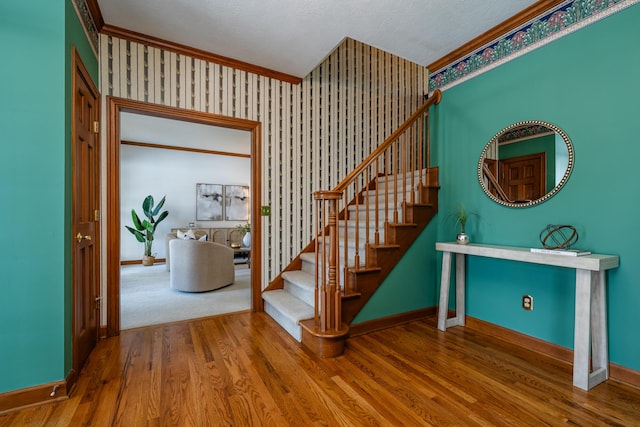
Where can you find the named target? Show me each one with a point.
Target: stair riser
(372, 209)
(350, 260)
(300, 292)
(382, 201)
(362, 234)
(362, 216)
(292, 328)
(306, 295)
(351, 247)
(416, 177)
(308, 267)
(382, 197)
(381, 207)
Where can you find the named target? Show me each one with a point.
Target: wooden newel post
(328, 285)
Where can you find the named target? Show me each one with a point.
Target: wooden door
(523, 177)
(86, 204)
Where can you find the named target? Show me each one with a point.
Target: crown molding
(96, 14)
(87, 17)
(494, 33)
(123, 33)
(126, 34)
(565, 17)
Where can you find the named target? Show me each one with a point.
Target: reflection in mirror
(525, 163)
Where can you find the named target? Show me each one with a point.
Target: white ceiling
(294, 36)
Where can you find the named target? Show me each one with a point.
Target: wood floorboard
(242, 369)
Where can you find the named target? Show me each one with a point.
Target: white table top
(593, 262)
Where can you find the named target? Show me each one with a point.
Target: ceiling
(294, 36)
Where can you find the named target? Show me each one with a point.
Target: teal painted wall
(35, 316)
(411, 284)
(587, 84)
(591, 93)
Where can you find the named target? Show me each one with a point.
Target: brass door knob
(79, 237)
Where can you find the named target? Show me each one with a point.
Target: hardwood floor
(243, 370)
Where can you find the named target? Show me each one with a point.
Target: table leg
(590, 330)
(445, 279)
(582, 336)
(599, 340)
(460, 290)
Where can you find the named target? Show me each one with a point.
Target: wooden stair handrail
(492, 178)
(432, 100)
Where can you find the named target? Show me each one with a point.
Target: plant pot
(148, 260)
(462, 238)
(246, 240)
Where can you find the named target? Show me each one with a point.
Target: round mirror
(525, 164)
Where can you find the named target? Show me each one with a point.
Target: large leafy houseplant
(146, 228)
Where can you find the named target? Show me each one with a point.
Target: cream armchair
(198, 266)
(199, 234)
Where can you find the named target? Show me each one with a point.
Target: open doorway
(117, 106)
(171, 159)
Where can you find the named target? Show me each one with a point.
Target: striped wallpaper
(314, 133)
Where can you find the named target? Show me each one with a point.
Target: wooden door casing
(86, 209)
(115, 106)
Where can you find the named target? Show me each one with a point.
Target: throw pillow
(186, 235)
(203, 238)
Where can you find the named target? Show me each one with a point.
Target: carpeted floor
(146, 298)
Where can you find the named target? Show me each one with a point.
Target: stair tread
(399, 176)
(290, 306)
(373, 207)
(382, 204)
(300, 278)
(300, 284)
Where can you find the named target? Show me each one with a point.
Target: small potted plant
(145, 229)
(462, 216)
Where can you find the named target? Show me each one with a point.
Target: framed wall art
(209, 202)
(236, 202)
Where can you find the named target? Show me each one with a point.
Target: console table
(590, 328)
(242, 250)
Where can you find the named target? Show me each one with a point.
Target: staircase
(295, 301)
(364, 227)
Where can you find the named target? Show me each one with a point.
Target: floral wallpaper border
(557, 22)
(88, 24)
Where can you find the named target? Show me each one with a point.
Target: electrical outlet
(527, 302)
(265, 210)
